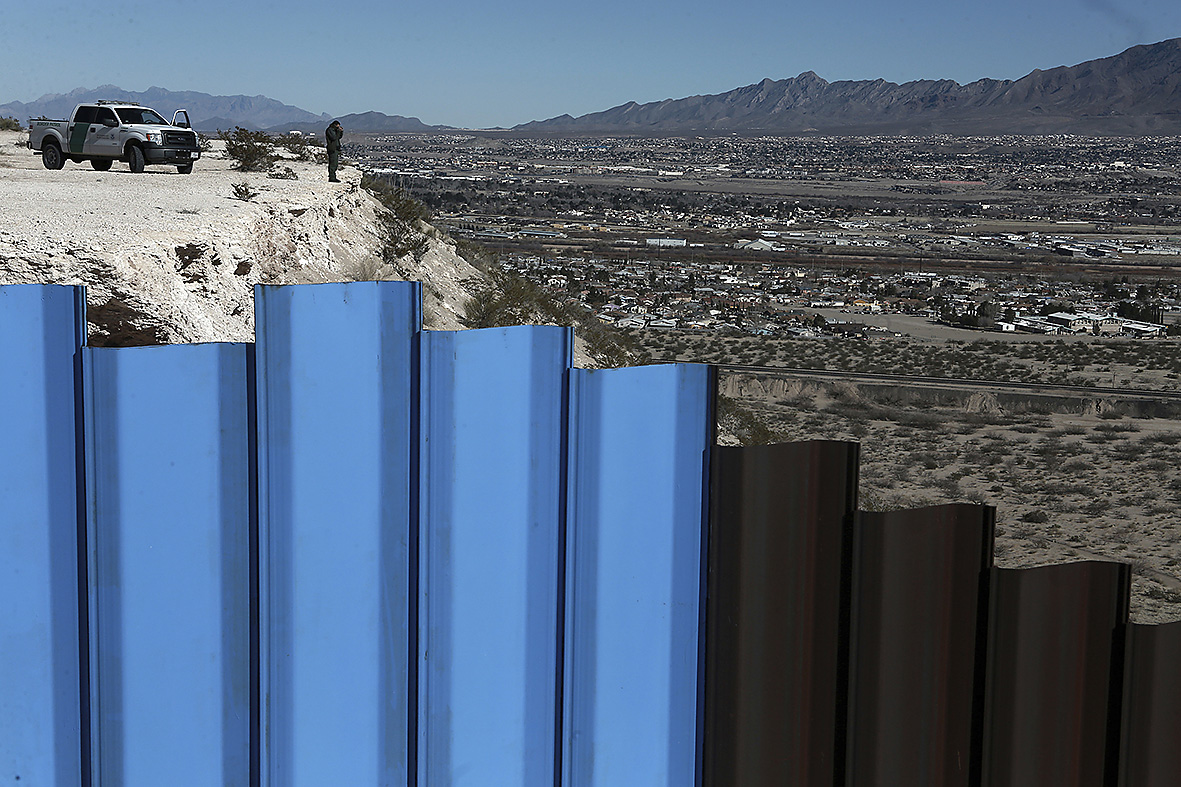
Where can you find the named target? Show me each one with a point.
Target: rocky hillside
(169, 258)
(1135, 92)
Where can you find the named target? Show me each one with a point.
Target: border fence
(357, 552)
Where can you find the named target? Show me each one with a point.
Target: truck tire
(100, 164)
(184, 169)
(51, 156)
(135, 158)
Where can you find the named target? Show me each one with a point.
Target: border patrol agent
(332, 136)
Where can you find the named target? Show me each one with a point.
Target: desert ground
(1072, 476)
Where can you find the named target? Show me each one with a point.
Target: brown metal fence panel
(875, 648)
(919, 607)
(1151, 751)
(1054, 675)
(777, 613)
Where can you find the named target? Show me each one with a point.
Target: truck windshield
(140, 115)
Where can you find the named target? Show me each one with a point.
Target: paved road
(953, 383)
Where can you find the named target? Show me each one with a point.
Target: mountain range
(1135, 92)
(211, 113)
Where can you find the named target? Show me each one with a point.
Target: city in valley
(1049, 235)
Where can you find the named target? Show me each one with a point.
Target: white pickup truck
(108, 131)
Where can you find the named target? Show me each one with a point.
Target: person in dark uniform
(332, 136)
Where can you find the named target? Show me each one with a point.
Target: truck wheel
(135, 158)
(101, 164)
(184, 169)
(51, 156)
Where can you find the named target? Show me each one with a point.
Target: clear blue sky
(484, 64)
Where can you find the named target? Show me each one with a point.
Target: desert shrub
(505, 298)
(205, 143)
(404, 221)
(283, 173)
(950, 487)
(1123, 426)
(747, 427)
(1155, 591)
(1157, 466)
(396, 199)
(243, 192)
(1097, 506)
(928, 459)
(921, 419)
(297, 145)
(1036, 516)
(10, 124)
(252, 151)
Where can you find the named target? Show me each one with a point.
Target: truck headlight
(154, 137)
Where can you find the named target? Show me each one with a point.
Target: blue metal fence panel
(169, 514)
(41, 329)
(335, 423)
(632, 703)
(493, 407)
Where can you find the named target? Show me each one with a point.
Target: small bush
(10, 124)
(748, 427)
(1097, 506)
(243, 192)
(283, 173)
(505, 298)
(297, 145)
(1155, 591)
(405, 221)
(253, 151)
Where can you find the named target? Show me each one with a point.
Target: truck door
(104, 137)
(180, 118)
(79, 130)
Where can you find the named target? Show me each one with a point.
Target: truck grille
(182, 139)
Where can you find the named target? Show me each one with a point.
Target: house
(1142, 329)
(1102, 323)
(1069, 322)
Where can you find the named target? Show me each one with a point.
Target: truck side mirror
(110, 122)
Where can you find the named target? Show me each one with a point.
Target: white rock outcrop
(171, 258)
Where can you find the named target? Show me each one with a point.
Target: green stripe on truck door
(78, 136)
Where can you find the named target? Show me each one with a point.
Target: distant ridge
(1135, 92)
(207, 112)
(210, 113)
(365, 121)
